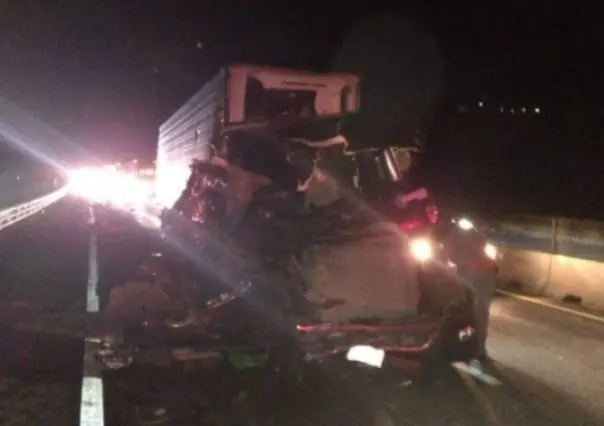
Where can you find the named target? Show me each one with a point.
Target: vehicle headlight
(465, 224)
(421, 249)
(490, 251)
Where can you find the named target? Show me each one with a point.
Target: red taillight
(411, 225)
(430, 217)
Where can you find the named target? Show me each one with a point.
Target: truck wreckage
(287, 233)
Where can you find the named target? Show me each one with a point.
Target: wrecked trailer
(273, 247)
(286, 277)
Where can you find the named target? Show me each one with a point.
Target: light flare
(491, 251)
(107, 185)
(421, 249)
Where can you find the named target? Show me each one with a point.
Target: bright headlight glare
(465, 224)
(106, 185)
(421, 249)
(490, 251)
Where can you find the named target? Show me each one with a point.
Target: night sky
(106, 73)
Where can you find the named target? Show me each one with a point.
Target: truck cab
(247, 98)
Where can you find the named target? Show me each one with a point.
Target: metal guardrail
(20, 186)
(17, 213)
(578, 238)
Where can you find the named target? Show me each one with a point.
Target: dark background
(106, 73)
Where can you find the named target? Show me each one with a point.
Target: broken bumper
(418, 339)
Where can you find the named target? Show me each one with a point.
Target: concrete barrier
(554, 257)
(552, 275)
(525, 271)
(580, 278)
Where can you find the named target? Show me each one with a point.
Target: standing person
(466, 248)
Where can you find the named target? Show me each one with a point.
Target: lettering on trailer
(303, 84)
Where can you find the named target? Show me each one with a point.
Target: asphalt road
(549, 364)
(42, 292)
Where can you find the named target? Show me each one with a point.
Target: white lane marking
(91, 218)
(92, 297)
(546, 304)
(478, 374)
(91, 403)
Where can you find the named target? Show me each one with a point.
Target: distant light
(513, 111)
(480, 104)
(523, 110)
(537, 110)
(199, 45)
(501, 109)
